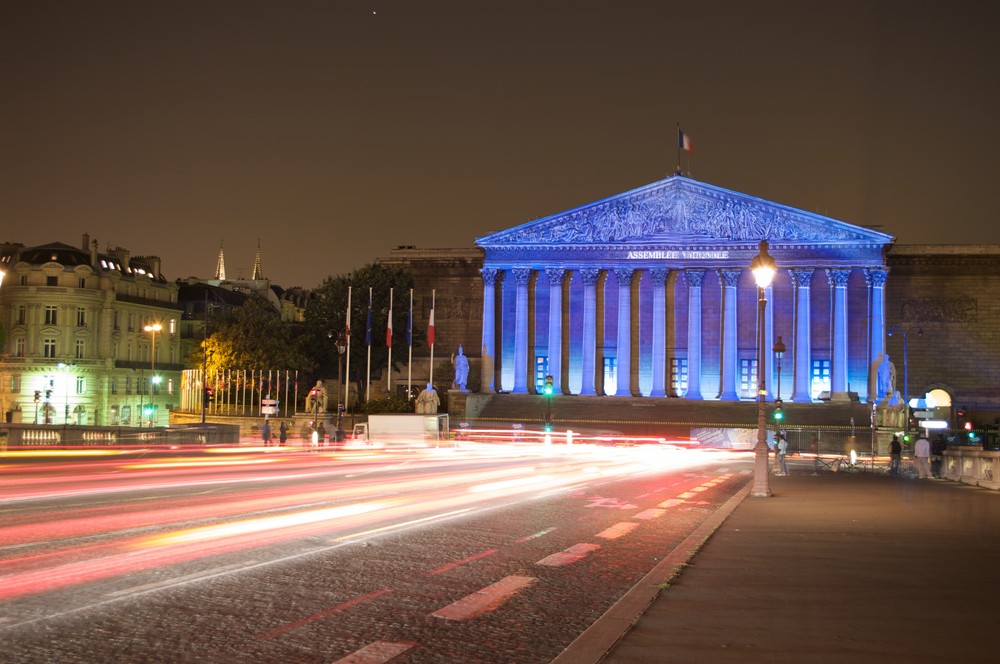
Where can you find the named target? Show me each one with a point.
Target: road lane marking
(379, 652)
(617, 530)
(686, 494)
(646, 515)
(613, 503)
(540, 533)
(361, 599)
(670, 503)
(487, 599)
(570, 555)
(177, 580)
(457, 563)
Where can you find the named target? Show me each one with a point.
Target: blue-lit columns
(838, 365)
(876, 341)
(590, 275)
(624, 369)
(729, 279)
(694, 279)
(489, 327)
(522, 277)
(658, 275)
(555, 276)
(803, 340)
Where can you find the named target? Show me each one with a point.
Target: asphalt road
(476, 554)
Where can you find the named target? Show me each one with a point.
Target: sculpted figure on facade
(461, 363)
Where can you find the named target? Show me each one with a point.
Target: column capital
(694, 277)
(658, 275)
(730, 278)
(489, 275)
(801, 277)
(555, 274)
(589, 275)
(838, 277)
(522, 275)
(624, 275)
(876, 277)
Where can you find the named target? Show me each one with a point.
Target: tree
(326, 318)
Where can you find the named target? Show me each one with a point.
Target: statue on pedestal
(461, 363)
(886, 378)
(428, 401)
(316, 399)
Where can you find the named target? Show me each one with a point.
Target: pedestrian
(937, 455)
(922, 452)
(283, 433)
(322, 434)
(265, 433)
(895, 454)
(782, 446)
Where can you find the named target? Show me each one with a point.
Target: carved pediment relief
(682, 211)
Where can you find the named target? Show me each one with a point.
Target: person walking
(782, 446)
(265, 433)
(283, 433)
(937, 455)
(895, 454)
(922, 452)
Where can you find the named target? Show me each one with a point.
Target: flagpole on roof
(680, 140)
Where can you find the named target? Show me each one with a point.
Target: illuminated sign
(677, 255)
(934, 424)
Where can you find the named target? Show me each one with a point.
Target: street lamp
(341, 343)
(779, 352)
(763, 268)
(154, 379)
(906, 379)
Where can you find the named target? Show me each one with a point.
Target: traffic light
(208, 396)
(968, 430)
(549, 388)
(548, 427)
(778, 414)
(147, 411)
(38, 396)
(48, 394)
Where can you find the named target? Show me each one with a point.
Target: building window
(51, 315)
(128, 384)
(49, 347)
(22, 314)
(173, 326)
(82, 283)
(81, 317)
(679, 374)
(131, 322)
(15, 383)
(541, 371)
(610, 371)
(748, 379)
(117, 323)
(81, 386)
(51, 281)
(81, 346)
(113, 383)
(820, 377)
(24, 280)
(19, 347)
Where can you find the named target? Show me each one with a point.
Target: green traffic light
(548, 390)
(548, 428)
(779, 415)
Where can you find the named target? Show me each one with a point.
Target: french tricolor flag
(684, 141)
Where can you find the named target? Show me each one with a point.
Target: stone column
(838, 364)
(803, 341)
(875, 278)
(624, 370)
(522, 276)
(694, 279)
(590, 275)
(555, 276)
(659, 356)
(489, 328)
(730, 279)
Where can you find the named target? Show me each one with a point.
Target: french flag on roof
(684, 141)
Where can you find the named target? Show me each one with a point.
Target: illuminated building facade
(649, 293)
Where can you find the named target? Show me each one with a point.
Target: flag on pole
(409, 323)
(368, 325)
(388, 327)
(684, 141)
(430, 324)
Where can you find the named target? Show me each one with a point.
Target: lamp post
(906, 378)
(153, 381)
(341, 343)
(763, 268)
(779, 352)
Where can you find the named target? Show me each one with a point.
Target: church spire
(258, 274)
(220, 265)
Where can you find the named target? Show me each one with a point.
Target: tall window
(15, 383)
(80, 385)
(679, 374)
(820, 377)
(748, 379)
(81, 317)
(51, 281)
(541, 371)
(113, 383)
(81, 347)
(19, 345)
(128, 385)
(117, 323)
(131, 322)
(22, 314)
(50, 314)
(49, 348)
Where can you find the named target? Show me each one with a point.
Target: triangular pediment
(679, 210)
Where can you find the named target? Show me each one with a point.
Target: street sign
(268, 402)
(269, 410)
(933, 424)
(924, 414)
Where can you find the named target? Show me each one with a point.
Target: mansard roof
(685, 213)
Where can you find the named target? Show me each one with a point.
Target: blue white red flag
(684, 141)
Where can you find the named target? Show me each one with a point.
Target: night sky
(334, 131)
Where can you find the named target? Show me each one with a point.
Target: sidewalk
(835, 567)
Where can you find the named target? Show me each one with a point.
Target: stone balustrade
(973, 465)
